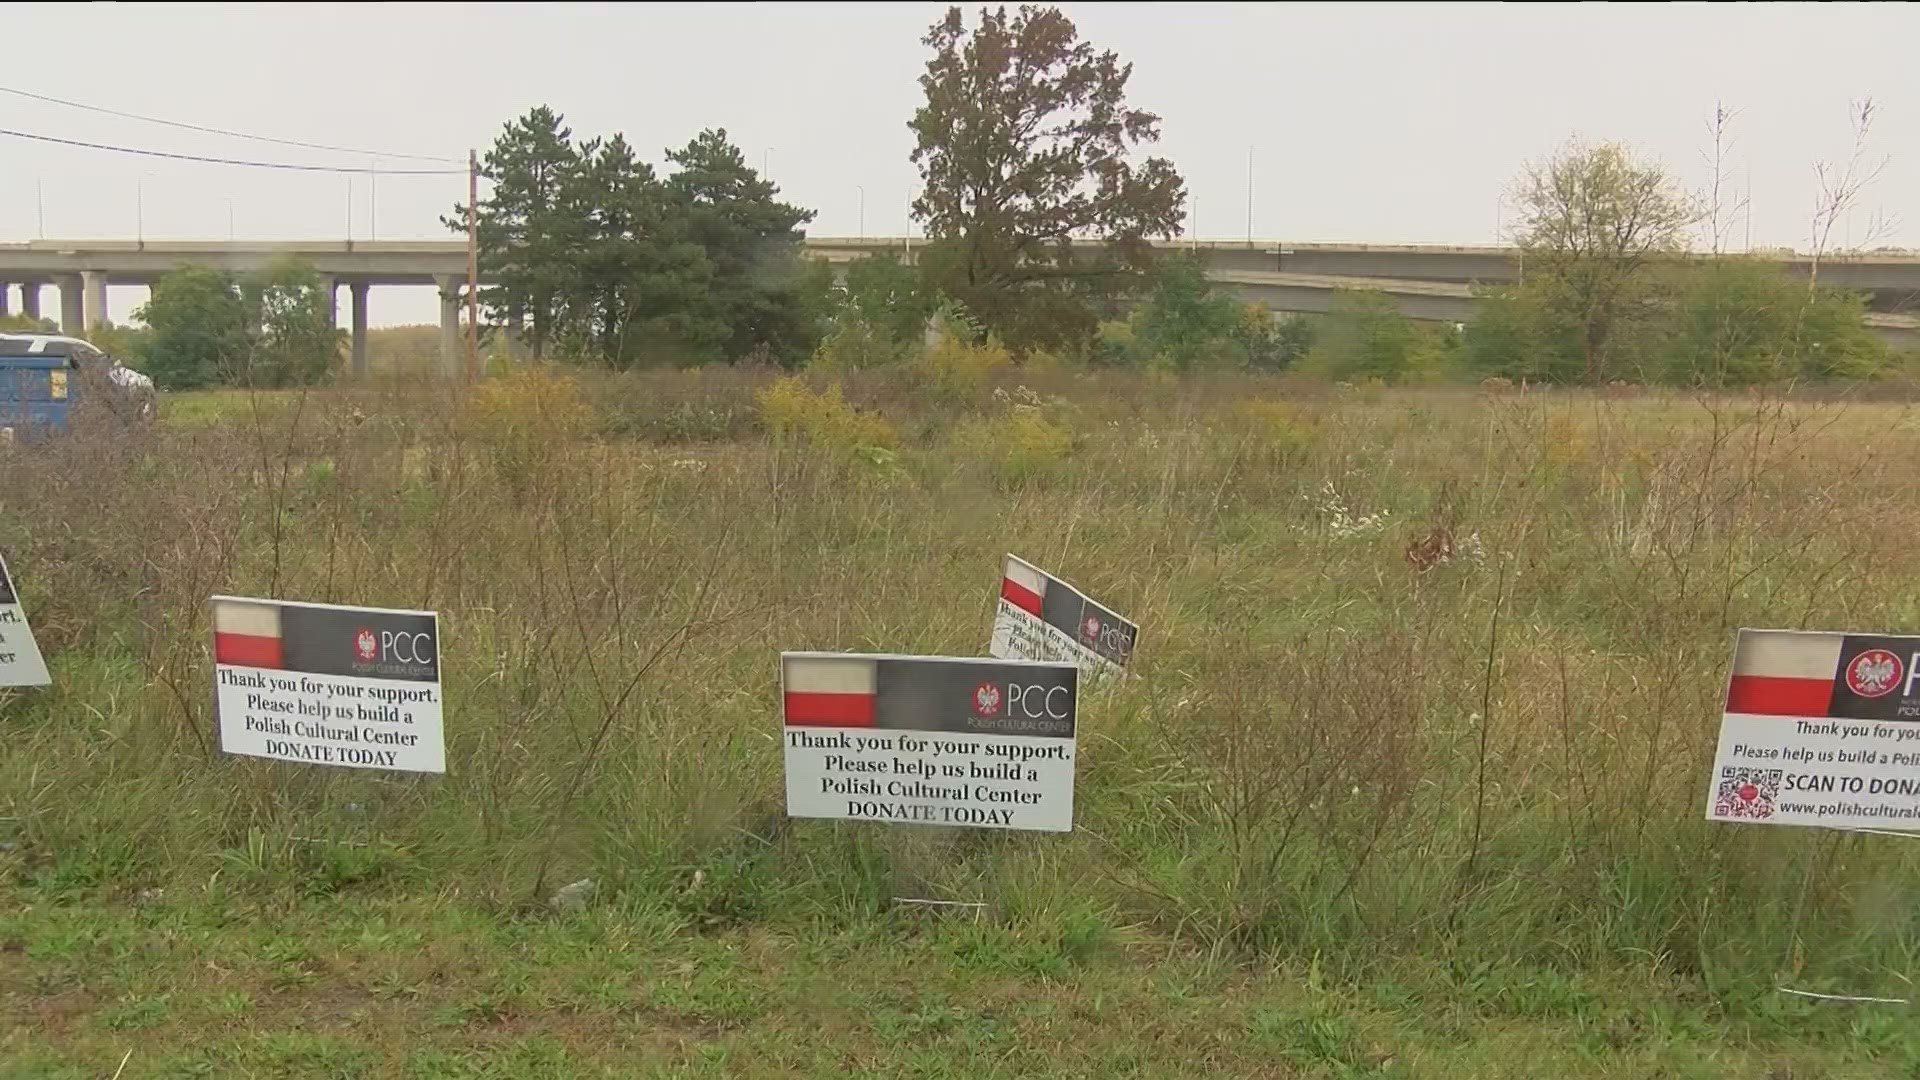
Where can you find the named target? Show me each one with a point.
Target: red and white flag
(246, 633)
(1023, 585)
(829, 691)
(1784, 672)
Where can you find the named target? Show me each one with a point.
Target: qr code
(1746, 793)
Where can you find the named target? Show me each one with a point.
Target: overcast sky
(1377, 123)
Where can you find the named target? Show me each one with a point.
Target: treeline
(1039, 221)
(1023, 145)
(594, 254)
(205, 327)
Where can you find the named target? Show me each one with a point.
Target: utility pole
(349, 209)
(1749, 209)
(473, 266)
(1249, 196)
(40, 203)
(863, 210)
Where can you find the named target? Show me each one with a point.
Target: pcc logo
(1022, 700)
(392, 647)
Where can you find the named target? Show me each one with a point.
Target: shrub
(20, 324)
(526, 419)
(1183, 322)
(789, 409)
(889, 299)
(854, 344)
(200, 329)
(1739, 322)
(296, 345)
(1114, 344)
(1020, 447)
(1276, 430)
(955, 366)
(207, 328)
(1272, 343)
(1364, 337)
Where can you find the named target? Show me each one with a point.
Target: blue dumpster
(36, 395)
(45, 377)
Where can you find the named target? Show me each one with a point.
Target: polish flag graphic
(829, 691)
(1022, 585)
(1784, 672)
(246, 633)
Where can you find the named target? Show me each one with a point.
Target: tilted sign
(20, 660)
(1041, 617)
(328, 685)
(928, 739)
(1820, 729)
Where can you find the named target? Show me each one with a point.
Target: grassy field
(1409, 780)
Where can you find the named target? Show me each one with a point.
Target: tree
(877, 318)
(889, 296)
(635, 282)
(199, 329)
(1023, 147)
(525, 228)
(1274, 343)
(758, 293)
(1184, 321)
(607, 259)
(1738, 322)
(1364, 336)
(1520, 332)
(296, 342)
(1592, 220)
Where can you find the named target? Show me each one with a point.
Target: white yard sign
(929, 740)
(356, 687)
(1041, 617)
(1820, 729)
(20, 660)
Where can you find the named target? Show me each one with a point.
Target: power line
(218, 131)
(362, 170)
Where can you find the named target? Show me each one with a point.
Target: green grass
(1319, 832)
(205, 984)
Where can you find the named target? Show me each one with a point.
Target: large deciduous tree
(295, 342)
(1593, 219)
(205, 328)
(199, 328)
(1023, 147)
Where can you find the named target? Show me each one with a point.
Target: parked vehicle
(45, 378)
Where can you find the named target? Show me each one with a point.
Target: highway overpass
(1427, 281)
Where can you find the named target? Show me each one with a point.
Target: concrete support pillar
(3, 298)
(93, 298)
(359, 291)
(330, 295)
(30, 299)
(449, 325)
(71, 322)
